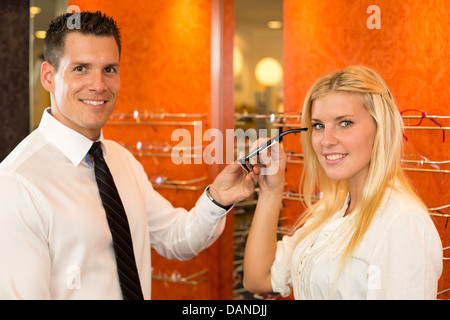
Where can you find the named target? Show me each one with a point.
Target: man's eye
(110, 70)
(79, 69)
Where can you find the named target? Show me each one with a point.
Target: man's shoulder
(27, 151)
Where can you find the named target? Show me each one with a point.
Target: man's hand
(233, 184)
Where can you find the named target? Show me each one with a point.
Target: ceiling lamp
(269, 72)
(274, 24)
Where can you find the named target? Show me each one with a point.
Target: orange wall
(411, 52)
(166, 46)
(165, 65)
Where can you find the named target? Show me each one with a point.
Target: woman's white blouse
(399, 257)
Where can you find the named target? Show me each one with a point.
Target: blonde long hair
(385, 166)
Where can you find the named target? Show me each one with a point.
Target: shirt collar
(72, 144)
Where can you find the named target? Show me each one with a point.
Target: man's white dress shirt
(399, 257)
(55, 242)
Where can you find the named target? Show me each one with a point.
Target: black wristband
(208, 194)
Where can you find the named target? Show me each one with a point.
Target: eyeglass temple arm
(243, 161)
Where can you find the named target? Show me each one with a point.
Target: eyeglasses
(277, 119)
(293, 157)
(245, 161)
(443, 291)
(161, 181)
(140, 114)
(419, 161)
(175, 276)
(152, 146)
(436, 212)
(267, 296)
(289, 194)
(414, 118)
(285, 118)
(446, 258)
(161, 149)
(155, 118)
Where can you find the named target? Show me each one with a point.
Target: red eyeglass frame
(423, 116)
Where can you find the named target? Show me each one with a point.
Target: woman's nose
(329, 137)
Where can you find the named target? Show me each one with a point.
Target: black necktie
(118, 223)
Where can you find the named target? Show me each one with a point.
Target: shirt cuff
(211, 206)
(208, 194)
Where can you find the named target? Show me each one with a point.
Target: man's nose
(98, 83)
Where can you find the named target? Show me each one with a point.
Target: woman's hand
(272, 162)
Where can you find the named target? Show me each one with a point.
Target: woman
(369, 236)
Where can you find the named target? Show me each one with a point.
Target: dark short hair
(90, 23)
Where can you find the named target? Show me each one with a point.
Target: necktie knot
(96, 150)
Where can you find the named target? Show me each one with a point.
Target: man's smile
(94, 102)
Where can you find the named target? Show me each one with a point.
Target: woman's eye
(317, 126)
(346, 123)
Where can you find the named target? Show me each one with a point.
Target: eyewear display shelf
(177, 174)
(426, 161)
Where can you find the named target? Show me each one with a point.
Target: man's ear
(48, 76)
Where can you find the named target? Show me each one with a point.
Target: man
(55, 239)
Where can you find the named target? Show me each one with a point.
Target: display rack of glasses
(414, 119)
(418, 120)
(147, 135)
(165, 148)
(244, 210)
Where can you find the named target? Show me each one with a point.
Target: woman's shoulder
(401, 210)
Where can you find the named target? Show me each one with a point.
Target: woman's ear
(48, 76)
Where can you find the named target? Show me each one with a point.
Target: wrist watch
(208, 194)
